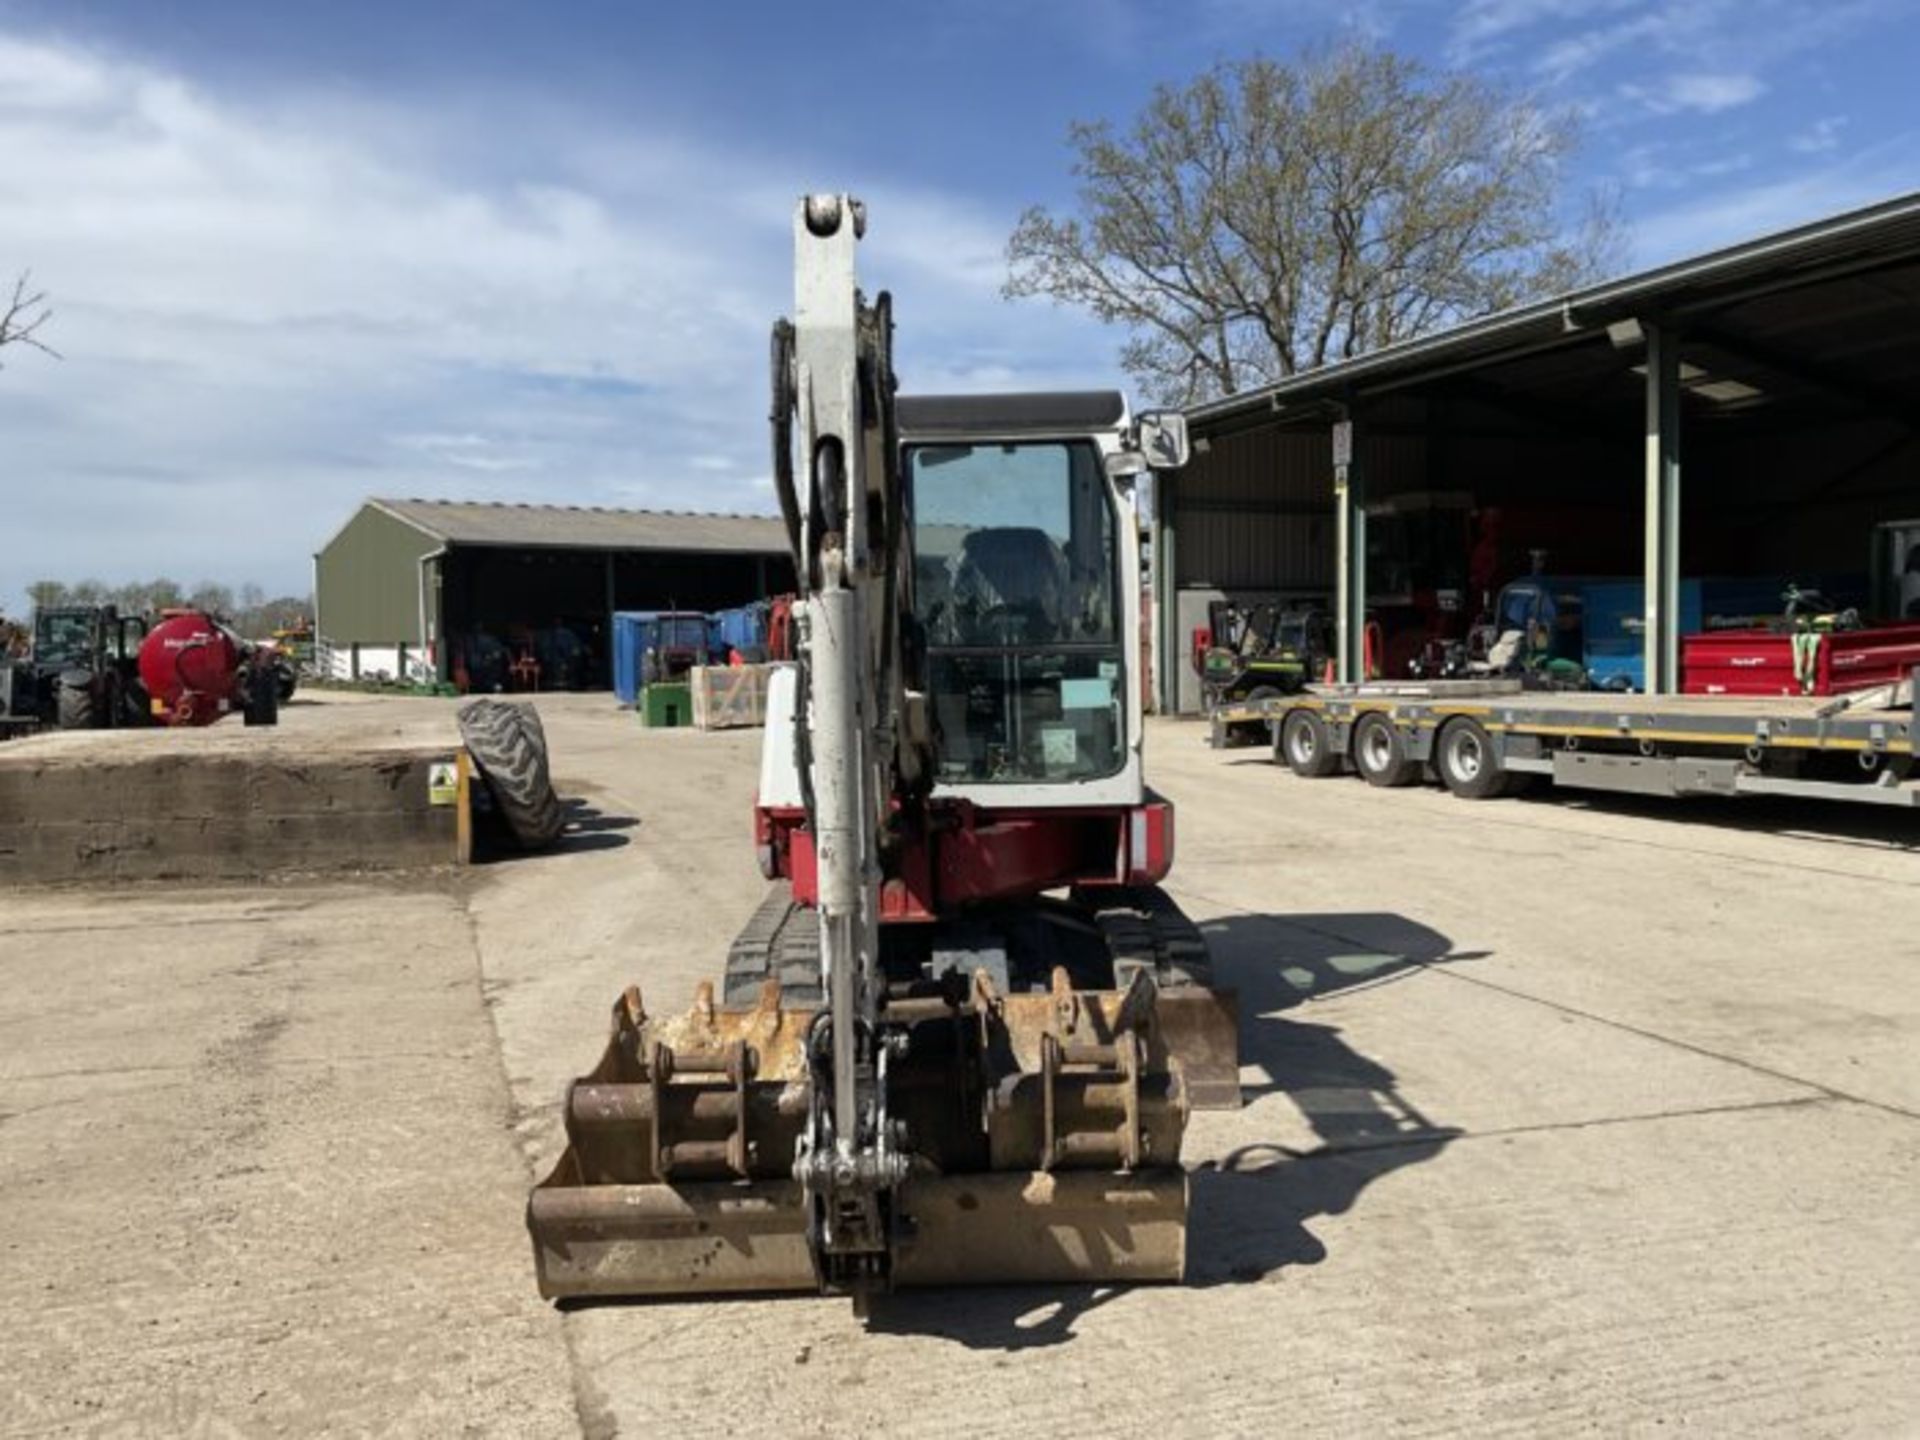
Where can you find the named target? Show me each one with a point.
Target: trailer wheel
(1305, 746)
(1379, 753)
(510, 749)
(1467, 762)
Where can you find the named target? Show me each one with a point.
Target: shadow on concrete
(587, 828)
(1252, 1209)
(1833, 822)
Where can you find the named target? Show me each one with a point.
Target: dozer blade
(1044, 1128)
(1201, 1030)
(994, 1228)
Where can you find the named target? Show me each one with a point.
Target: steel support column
(1661, 637)
(1168, 651)
(1350, 564)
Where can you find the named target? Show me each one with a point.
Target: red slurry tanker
(195, 670)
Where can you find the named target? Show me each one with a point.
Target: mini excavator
(959, 1041)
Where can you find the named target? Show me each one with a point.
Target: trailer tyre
(1468, 764)
(1379, 750)
(1306, 746)
(509, 746)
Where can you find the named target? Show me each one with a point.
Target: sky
(529, 250)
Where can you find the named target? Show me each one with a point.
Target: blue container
(1614, 630)
(637, 634)
(1615, 622)
(742, 628)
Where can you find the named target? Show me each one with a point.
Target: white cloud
(1729, 216)
(1818, 138)
(1702, 94)
(1482, 27)
(269, 313)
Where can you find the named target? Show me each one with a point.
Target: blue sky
(300, 254)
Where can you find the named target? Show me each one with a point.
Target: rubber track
(781, 942)
(1143, 928)
(509, 745)
(1146, 930)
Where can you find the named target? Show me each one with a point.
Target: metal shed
(1784, 372)
(419, 589)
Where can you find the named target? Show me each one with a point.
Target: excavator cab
(1018, 608)
(960, 1039)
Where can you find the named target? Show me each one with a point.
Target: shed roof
(588, 527)
(1881, 234)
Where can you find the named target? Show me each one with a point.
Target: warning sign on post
(443, 783)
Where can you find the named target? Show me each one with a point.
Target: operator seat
(1013, 567)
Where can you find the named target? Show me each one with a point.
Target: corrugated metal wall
(1255, 511)
(367, 581)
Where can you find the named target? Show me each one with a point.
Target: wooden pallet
(729, 697)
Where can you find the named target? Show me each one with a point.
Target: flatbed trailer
(1482, 738)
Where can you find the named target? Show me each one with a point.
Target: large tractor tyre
(1468, 763)
(781, 942)
(1306, 746)
(74, 707)
(286, 680)
(511, 753)
(1379, 750)
(529, 719)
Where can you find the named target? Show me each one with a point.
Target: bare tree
(1267, 217)
(46, 594)
(25, 313)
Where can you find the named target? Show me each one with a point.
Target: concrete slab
(1565, 1119)
(318, 794)
(257, 1174)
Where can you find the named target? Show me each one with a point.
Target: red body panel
(958, 854)
(192, 669)
(1760, 662)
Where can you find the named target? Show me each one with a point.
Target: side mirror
(1162, 438)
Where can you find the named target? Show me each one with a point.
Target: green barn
(465, 592)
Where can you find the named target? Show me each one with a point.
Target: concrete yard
(1562, 1118)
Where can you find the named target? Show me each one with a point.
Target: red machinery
(1762, 662)
(195, 670)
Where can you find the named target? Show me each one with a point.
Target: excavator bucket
(1045, 1128)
